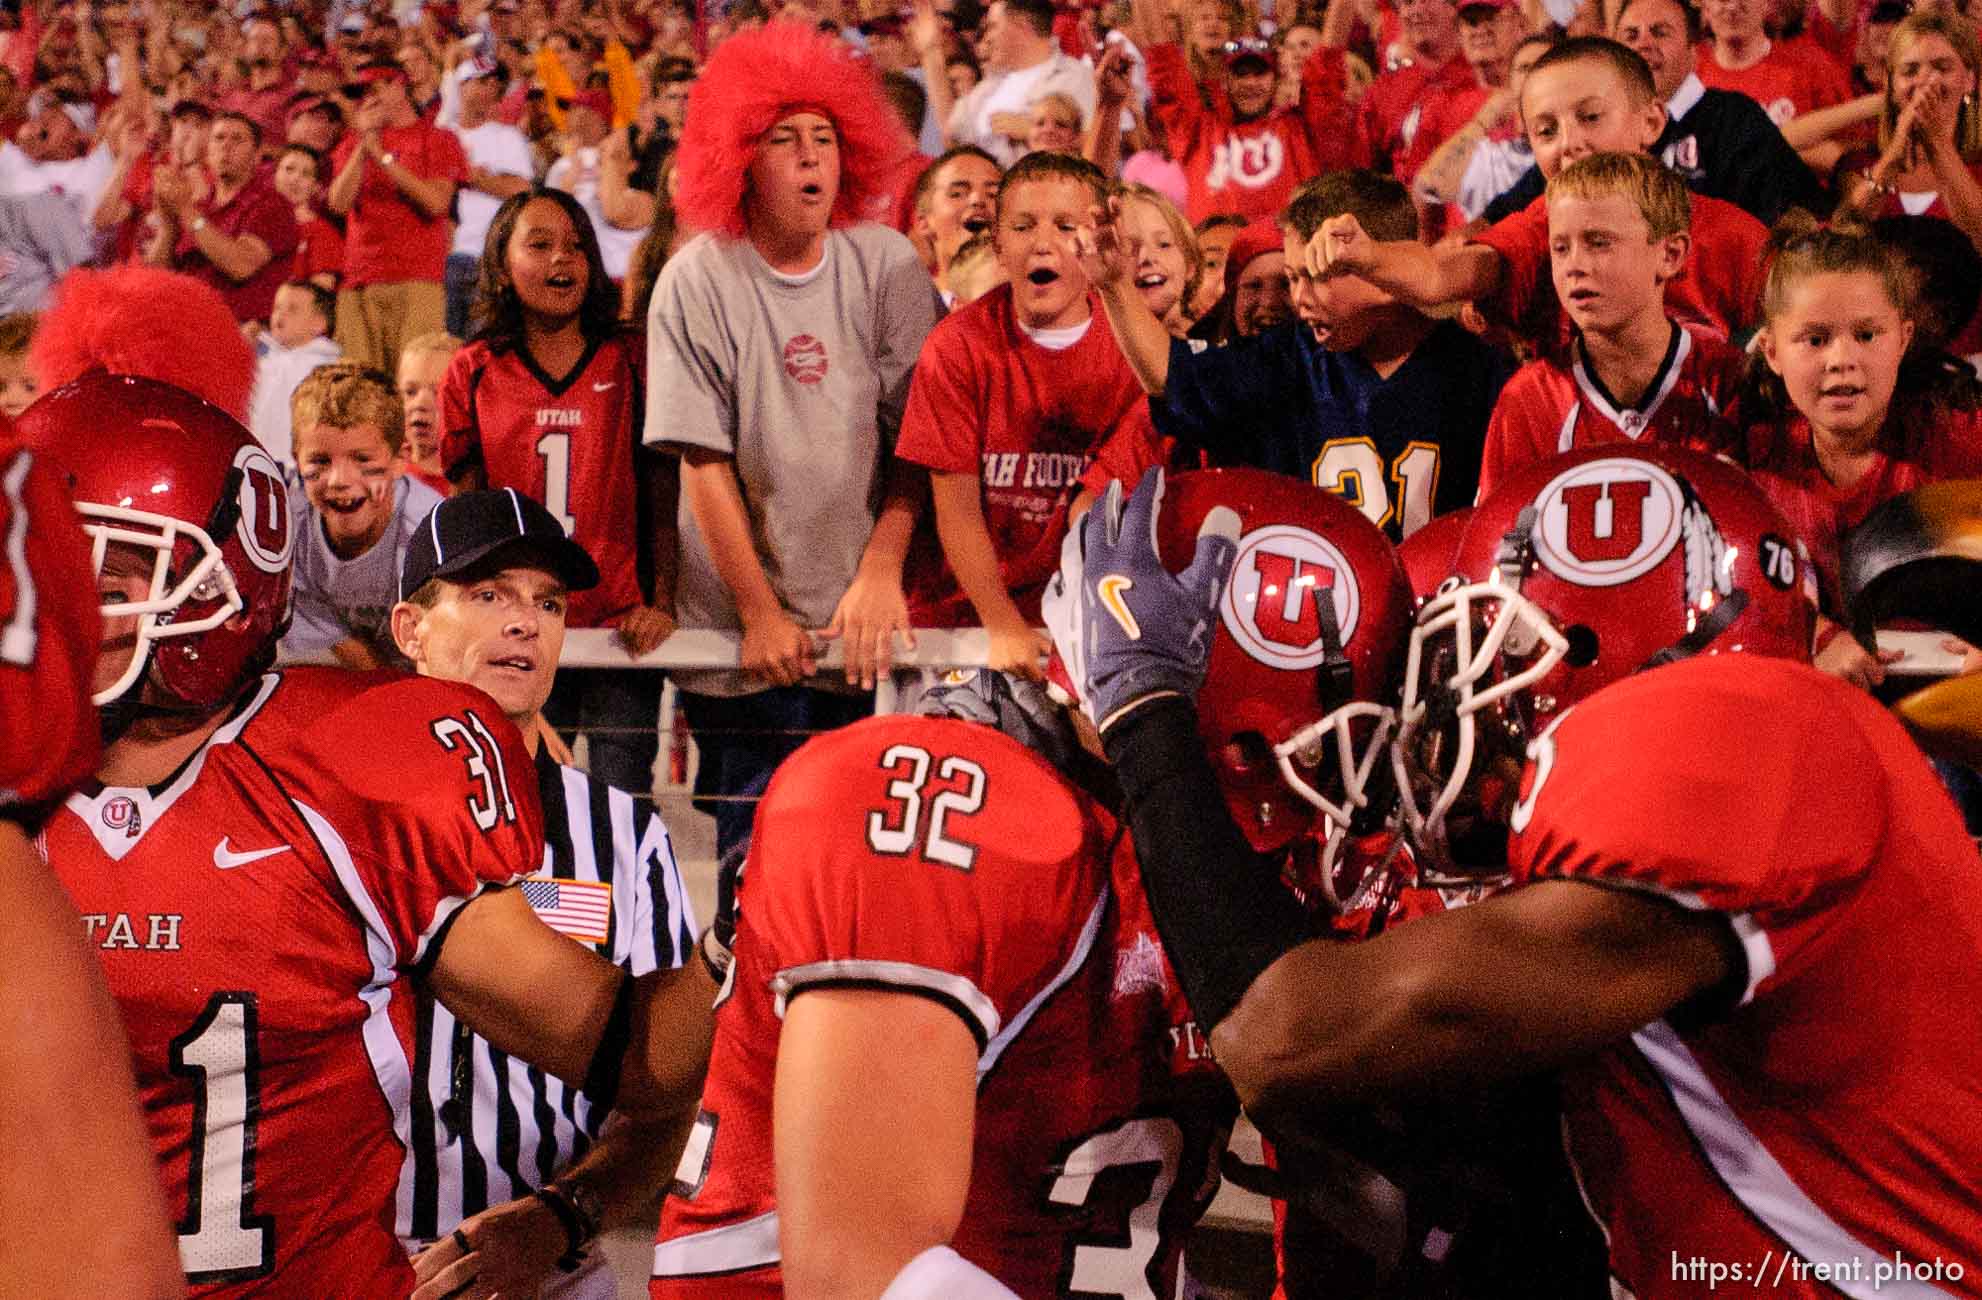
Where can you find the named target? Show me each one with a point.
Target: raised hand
(1127, 629)
(1098, 246)
(1340, 247)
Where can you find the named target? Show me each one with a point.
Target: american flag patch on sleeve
(579, 908)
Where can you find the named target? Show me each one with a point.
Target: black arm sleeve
(1220, 908)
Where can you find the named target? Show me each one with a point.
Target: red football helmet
(1295, 708)
(153, 467)
(1578, 571)
(1427, 553)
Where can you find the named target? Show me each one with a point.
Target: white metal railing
(704, 647)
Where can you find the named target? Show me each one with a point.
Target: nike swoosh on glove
(1127, 629)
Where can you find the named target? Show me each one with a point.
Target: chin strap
(1710, 625)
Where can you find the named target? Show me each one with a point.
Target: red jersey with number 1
(1827, 1105)
(258, 916)
(945, 860)
(566, 443)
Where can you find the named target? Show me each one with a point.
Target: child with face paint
(355, 513)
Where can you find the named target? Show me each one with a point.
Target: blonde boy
(422, 362)
(359, 513)
(1618, 232)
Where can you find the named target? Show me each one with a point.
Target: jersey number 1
(221, 1238)
(555, 448)
(894, 831)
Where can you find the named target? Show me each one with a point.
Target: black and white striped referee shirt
(621, 891)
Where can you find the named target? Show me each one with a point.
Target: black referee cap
(462, 531)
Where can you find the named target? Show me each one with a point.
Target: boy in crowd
(1587, 95)
(1363, 394)
(17, 387)
(1012, 396)
(357, 515)
(298, 177)
(422, 363)
(1617, 226)
(296, 342)
(955, 201)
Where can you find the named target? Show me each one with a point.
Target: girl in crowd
(548, 399)
(1929, 160)
(1844, 412)
(1168, 265)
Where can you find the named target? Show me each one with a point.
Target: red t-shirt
(1783, 462)
(259, 918)
(1794, 77)
(1441, 113)
(319, 247)
(259, 211)
(1821, 1107)
(1391, 108)
(1026, 419)
(1720, 287)
(387, 237)
(567, 443)
(1549, 408)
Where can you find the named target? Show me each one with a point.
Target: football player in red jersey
(80, 1210)
(952, 1059)
(266, 858)
(1736, 907)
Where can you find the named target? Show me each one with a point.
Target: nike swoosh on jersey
(226, 859)
(598, 387)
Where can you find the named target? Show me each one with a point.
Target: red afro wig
(755, 79)
(143, 321)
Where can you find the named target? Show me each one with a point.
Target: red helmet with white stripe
(1576, 572)
(159, 473)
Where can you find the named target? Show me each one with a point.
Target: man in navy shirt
(1362, 395)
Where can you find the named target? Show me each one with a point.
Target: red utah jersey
(1826, 1107)
(1014, 902)
(49, 635)
(1720, 287)
(1548, 408)
(1027, 420)
(567, 443)
(257, 917)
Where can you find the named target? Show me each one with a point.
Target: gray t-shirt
(800, 380)
(338, 598)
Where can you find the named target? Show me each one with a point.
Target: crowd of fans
(1394, 250)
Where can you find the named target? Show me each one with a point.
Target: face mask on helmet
(1579, 571)
(1294, 710)
(192, 519)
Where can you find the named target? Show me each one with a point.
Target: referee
(483, 590)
